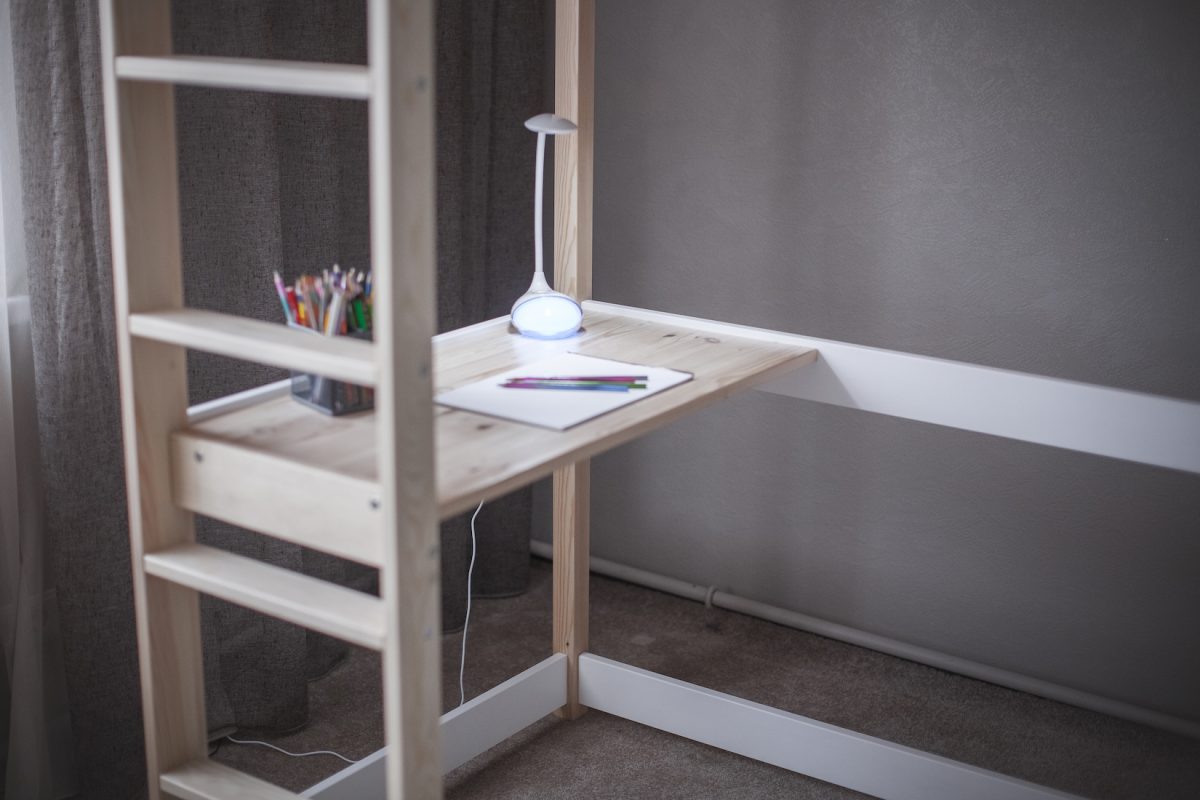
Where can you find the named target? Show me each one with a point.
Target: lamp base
(546, 315)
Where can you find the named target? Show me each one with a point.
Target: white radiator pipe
(712, 596)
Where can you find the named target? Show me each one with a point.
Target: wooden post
(574, 60)
(148, 276)
(401, 36)
(574, 57)
(572, 502)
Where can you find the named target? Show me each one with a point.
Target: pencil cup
(328, 396)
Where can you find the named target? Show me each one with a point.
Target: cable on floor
(289, 753)
(462, 666)
(462, 661)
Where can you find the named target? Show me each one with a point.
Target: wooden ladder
(155, 330)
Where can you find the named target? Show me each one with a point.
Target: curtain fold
(36, 753)
(75, 419)
(267, 183)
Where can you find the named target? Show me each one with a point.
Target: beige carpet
(600, 756)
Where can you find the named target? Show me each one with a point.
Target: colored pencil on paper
(581, 384)
(601, 378)
(567, 387)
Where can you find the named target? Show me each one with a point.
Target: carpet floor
(601, 756)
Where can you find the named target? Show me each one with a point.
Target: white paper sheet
(554, 408)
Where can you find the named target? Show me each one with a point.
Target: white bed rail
(1131, 426)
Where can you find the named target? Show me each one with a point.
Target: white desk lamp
(541, 312)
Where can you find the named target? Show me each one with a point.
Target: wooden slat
(572, 505)
(400, 38)
(139, 122)
(338, 357)
(574, 67)
(322, 606)
(207, 780)
(291, 77)
(289, 500)
(574, 57)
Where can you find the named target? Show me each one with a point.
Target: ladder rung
(203, 779)
(337, 357)
(322, 606)
(292, 77)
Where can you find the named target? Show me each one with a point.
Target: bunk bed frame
(256, 459)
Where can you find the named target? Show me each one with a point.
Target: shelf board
(349, 81)
(339, 357)
(478, 457)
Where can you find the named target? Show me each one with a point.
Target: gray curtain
(267, 182)
(35, 737)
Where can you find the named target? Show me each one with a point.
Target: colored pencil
(626, 384)
(283, 298)
(336, 302)
(602, 378)
(595, 387)
(294, 316)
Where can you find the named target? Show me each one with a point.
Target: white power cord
(462, 661)
(288, 753)
(462, 666)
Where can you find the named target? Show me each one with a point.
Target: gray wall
(1014, 184)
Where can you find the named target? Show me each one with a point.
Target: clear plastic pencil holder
(327, 395)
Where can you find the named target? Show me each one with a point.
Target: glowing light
(547, 316)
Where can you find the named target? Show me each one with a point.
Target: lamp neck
(537, 209)
(539, 283)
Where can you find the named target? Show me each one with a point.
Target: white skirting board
(826, 752)
(467, 731)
